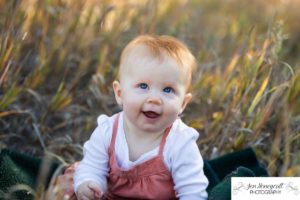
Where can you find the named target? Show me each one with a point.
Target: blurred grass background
(58, 59)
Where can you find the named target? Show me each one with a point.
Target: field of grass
(58, 59)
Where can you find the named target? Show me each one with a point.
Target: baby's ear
(118, 92)
(186, 100)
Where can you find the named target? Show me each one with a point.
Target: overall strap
(114, 132)
(163, 140)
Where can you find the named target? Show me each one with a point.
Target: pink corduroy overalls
(148, 180)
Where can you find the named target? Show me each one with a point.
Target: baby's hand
(88, 190)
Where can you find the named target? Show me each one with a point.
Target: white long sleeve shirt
(181, 156)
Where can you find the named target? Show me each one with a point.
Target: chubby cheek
(131, 104)
(172, 110)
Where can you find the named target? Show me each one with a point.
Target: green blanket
(20, 172)
(220, 170)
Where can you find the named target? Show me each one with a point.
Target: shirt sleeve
(187, 167)
(94, 165)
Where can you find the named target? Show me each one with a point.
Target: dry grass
(58, 60)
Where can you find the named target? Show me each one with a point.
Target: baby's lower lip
(151, 114)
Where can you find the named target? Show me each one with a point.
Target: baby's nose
(154, 100)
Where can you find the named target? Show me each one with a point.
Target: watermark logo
(265, 188)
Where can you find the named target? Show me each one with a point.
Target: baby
(146, 151)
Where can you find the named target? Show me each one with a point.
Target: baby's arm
(88, 190)
(94, 165)
(187, 168)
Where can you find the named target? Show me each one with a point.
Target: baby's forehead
(155, 50)
(139, 68)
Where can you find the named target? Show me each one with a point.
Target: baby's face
(153, 92)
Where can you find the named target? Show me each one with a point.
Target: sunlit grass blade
(258, 96)
(10, 95)
(294, 93)
(61, 99)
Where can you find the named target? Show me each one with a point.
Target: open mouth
(151, 114)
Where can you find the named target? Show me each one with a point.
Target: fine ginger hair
(161, 47)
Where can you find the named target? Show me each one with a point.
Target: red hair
(160, 47)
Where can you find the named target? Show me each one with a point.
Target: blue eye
(143, 86)
(168, 90)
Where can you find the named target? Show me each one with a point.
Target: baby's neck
(140, 142)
